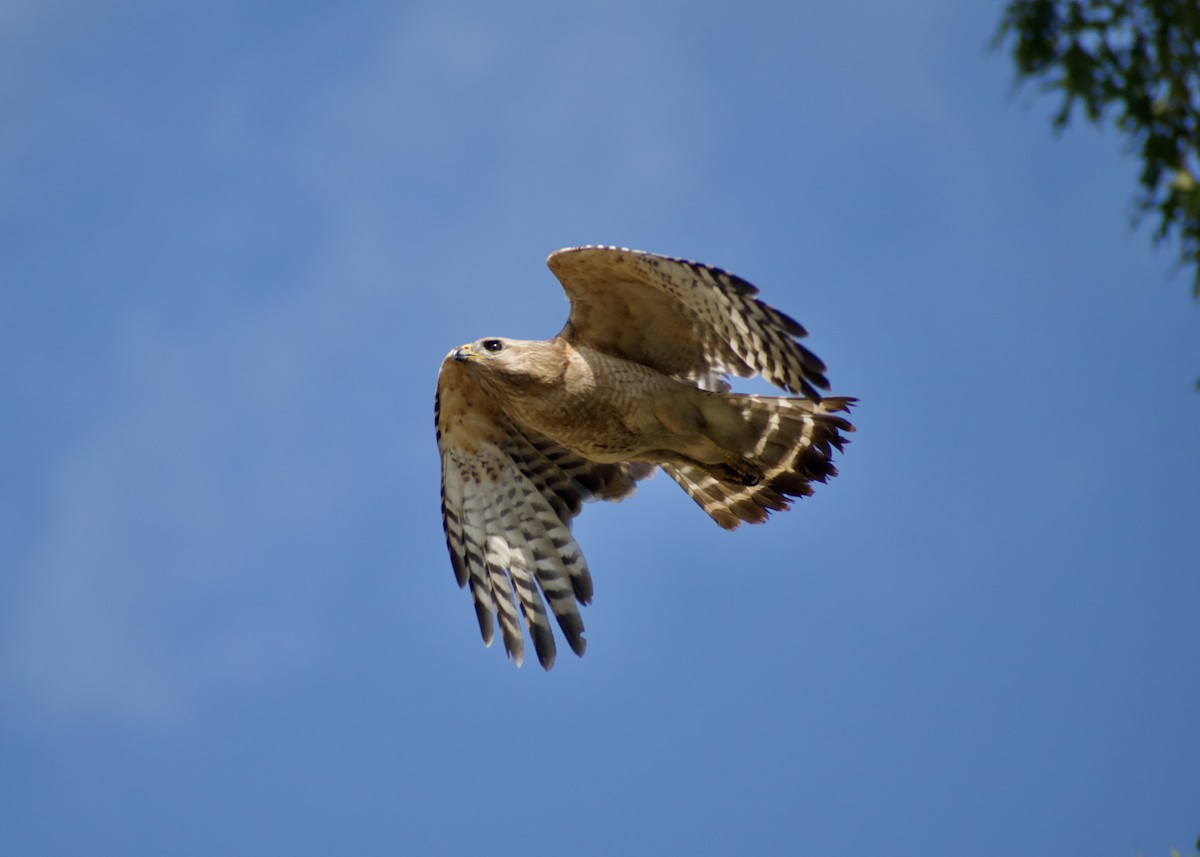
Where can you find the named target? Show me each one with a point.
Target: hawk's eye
(492, 345)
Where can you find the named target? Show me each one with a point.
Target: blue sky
(238, 240)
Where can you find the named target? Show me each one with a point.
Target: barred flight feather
(508, 498)
(730, 331)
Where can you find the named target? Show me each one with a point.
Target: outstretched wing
(692, 321)
(508, 497)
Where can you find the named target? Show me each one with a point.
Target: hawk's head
(514, 366)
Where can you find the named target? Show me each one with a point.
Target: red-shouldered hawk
(634, 381)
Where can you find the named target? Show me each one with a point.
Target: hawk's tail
(778, 447)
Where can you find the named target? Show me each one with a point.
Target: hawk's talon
(740, 470)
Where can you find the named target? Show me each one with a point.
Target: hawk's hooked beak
(463, 354)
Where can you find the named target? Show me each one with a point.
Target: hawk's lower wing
(508, 497)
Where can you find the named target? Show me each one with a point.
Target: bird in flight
(636, 380)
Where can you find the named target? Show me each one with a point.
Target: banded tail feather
(782, 446)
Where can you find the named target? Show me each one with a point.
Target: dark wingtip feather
(543, 644)
(487, 628)
(788, 323)
(572, 628)
(460, 569)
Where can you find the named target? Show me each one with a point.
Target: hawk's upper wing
(688, 320)
(508, 497)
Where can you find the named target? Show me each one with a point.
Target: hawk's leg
(737, 470)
